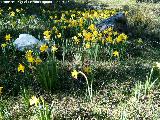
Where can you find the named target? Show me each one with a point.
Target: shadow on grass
(34, 8)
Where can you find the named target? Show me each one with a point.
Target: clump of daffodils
(31, 59)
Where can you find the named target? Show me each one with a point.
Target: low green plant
(141, 89)
(46, 73)
(44, 111)
(89, 86)
(25, 97)
(149, 84)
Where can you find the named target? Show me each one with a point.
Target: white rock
(117, 21)
(26, 41)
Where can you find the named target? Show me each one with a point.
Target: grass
(122, 90)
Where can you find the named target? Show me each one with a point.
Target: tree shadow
(59, 6)
(148, 1)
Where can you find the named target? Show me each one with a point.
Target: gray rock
(26, 41)
(118, 22)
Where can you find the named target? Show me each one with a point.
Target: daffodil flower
(8, 37)
(38, 60)
(59, 35)
(87, 69)
(3, 45)
(30, 59)
(43, 48)
(157, 65)
(1, 90)
(34, 100)
(87, 45)
(46, 33)
(74, 74)
(54, 49)
(21, 68)
(116, 53)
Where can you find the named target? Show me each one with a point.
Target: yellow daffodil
(56, 31)
(84, 32)
(109, 39)
(1, 90)
(28, 53)
(73, 23)
(3, 45)
(34, 101)
(55, 17)
(1, 11)
(80, 34)
(95, 14)
(47, 37)
(38, 60)
(140, 41)
(29, 56)
(9, 8)
(126, 13)
(12, 14)
(103, 41)
(46, 33)
(43, 48)
(116, 53)
(17, 10)
(88, 36)
(87, 69)
(110, 29)
(92, 27)
(65, 27)
(121, 37)
(80, 21)
(51, 17)
(59, 35)
(42, 99)
(21, 68)
(54, 28)
(63, 16)
(110, 33)
(115, 33)
(87, 45)
(74, 74)
(8, 37)
(73, 15)
(95, 33)
(100, 35)
(54, 49)
(105, 31)
(76, 40)
(157, 65)
(30, 59)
